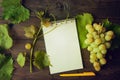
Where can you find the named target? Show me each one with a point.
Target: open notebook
(62, 46)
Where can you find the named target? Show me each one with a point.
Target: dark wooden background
(100, 9)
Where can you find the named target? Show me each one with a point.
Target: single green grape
(111, 33)
(92, 60)
(96, 50)
(96, 63)
(94, 33)
(89, 35)
(103, 40)
(93, 56)
(91, 30)
(89, 48)
(96, 36)
(99, 55)
(102, 47)
(95, 24)
(86, 41)
(103, 61)
(88, 26)
(92, 52)
(89, 40)
(108, 45)
(28, 46)
(102, 35)
(108, 37)
(98, 28)
(97, 68)
(104, 51)
(93, 45)
(98, 41)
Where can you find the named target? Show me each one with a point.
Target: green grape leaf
(7, 3)
(41, 60)
(14, 11)
(6, 67)
(6, 41)
(21, 59)
(82, 21)
(30, 31)
(116, 29)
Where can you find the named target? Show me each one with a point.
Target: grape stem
(33, 46)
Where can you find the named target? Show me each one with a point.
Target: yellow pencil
(78, 74)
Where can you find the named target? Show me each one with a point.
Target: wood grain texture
(99, 8)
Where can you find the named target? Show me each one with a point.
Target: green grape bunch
(98, 40)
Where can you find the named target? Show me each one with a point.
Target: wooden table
(100, 9)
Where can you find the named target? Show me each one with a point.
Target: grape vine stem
(33, 46)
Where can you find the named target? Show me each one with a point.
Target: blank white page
(62, 46)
